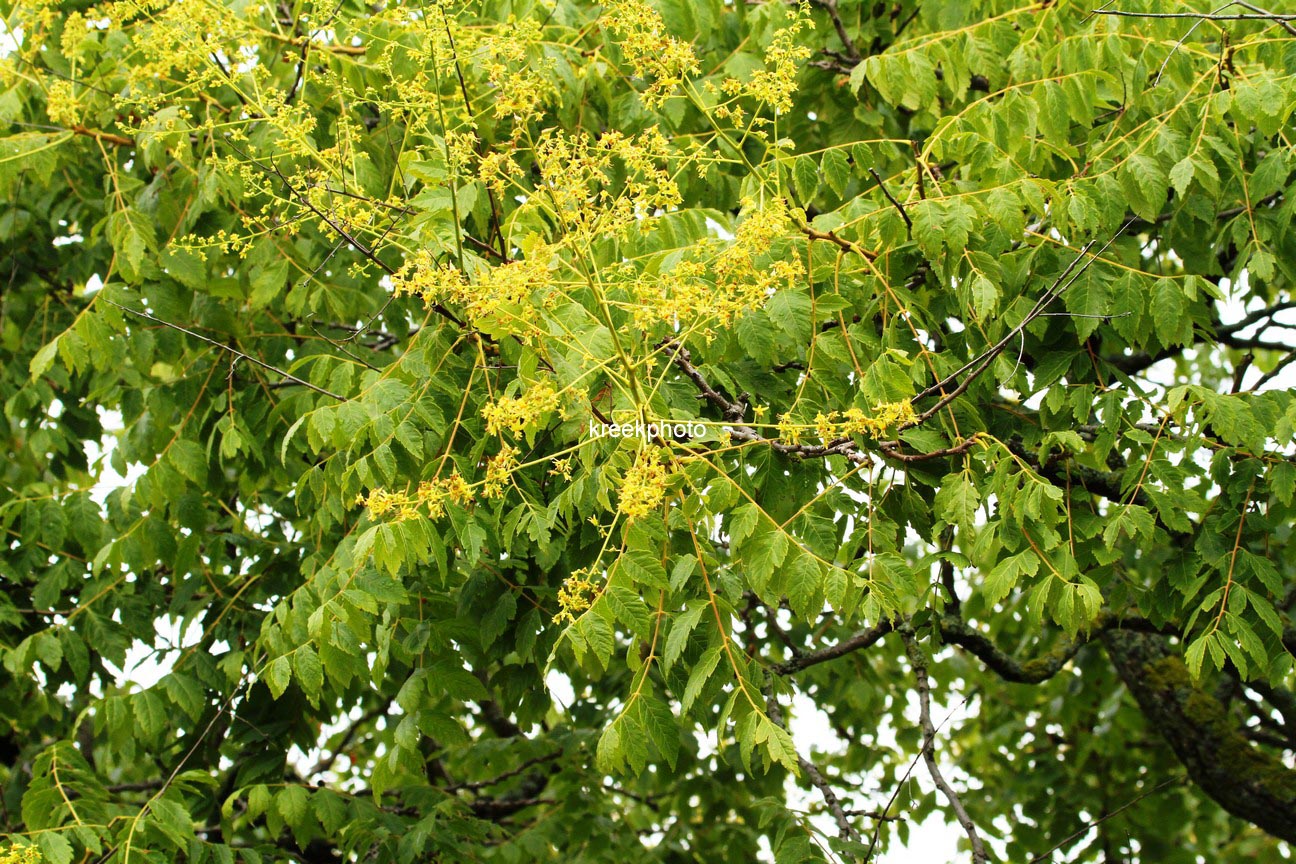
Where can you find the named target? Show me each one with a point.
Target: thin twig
(237, 353)
(831, 7)
(982, 362)
(812, 772)
(1205, 16)
(929, 737)
(1101, 819)
(903, 215)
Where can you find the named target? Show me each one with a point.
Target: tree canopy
(530, 410)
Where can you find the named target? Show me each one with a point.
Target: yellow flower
(775, 84)
(430, 494)
(652, 54)
(644, 485)
(575, 596)
(21, 855)
(853, 421)
(517, 414)
(498, 470)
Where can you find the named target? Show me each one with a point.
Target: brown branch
(733, 412)
(842, 242)
(981, 363)
(1259, 15)
(894, 203)
(105, 137)
(955, 631)
(1046, 856)
(919, 665)
(507, 775)
(830, 6)
(812, 772)
(360, 247)
(1247, 781)
(861, 641)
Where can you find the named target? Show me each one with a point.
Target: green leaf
(630, 609)
(681, 626)
(662, 727)
(699, 675)
(837, 171)
(762, 554)
(644, 568)
(293, 805)
(1169, 313)
(43, 359)
(54, 847)
(278, 675)
(804, 586)
(1007, 573)
(805, 178)
(132, 236)
(957, 501)
(310, 675)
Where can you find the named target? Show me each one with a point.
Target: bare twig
(861, 641)
(979, 364)
(830, 6)
(847, 447)
(288, 376)
(929, 737)
(1101, 819)
(903, 215)
(1204, 16)
(812, 772)
(359, 246)
(1273, 373)
(507, 775)
(841, 242)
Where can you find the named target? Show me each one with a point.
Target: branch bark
(919, 664)
(1242, 778)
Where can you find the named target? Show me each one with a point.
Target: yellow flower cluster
(853, 421)
(575, 596)
(61, 104)
(177, 45)
(518, 413)
(744, 278)
(498, 470)
(577, 169)
(432, 494)
(509, 284)
(775, 84)
(519, 90)
(21, 855)
(644, 485)
(496, 169)
(652, 54)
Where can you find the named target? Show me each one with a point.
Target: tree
(680, 358)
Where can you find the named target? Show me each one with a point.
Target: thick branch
(861, 641)
(1243, 779)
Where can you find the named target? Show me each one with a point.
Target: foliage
(343, 288)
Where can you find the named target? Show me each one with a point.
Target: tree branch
(812, 772)
(288, 376)
(929, 739)
(1243, 779)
